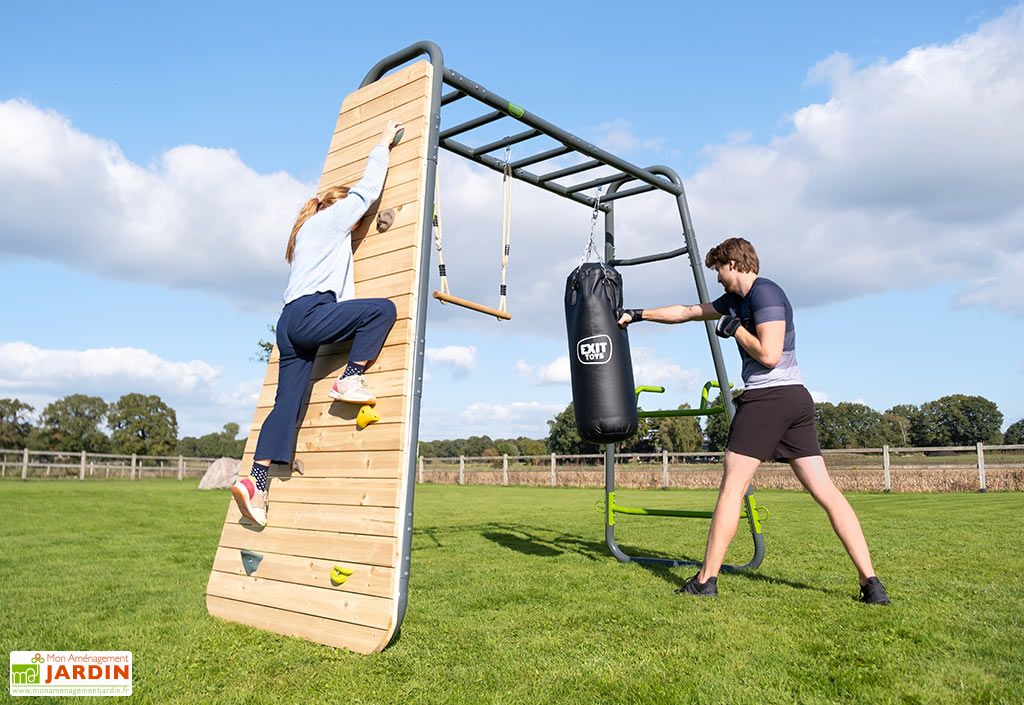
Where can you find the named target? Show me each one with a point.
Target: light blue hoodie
(322, 259)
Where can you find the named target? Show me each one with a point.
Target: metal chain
(591, 249)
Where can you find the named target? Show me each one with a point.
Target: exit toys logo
(71, 673)
(595, 350)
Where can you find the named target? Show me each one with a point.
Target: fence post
(664, 469)
(421, 470)
(554, 477)
(504, 469)
(981, 470)
(92, 469)
(462, 469)
(885, 469)
(81, 468)
(24, 465)
(134, 459)
(181, 467)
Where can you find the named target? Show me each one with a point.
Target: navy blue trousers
(305, 324)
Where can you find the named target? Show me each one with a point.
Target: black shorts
(774, 423)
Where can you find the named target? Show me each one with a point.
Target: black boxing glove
(727, 326)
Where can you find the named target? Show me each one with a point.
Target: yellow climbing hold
(339, 574)
(366, 416)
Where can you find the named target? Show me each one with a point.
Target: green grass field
(515, 600)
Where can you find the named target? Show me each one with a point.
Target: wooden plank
(399, 335)
(388, 437)
(388, 266)
(391, 358)
(339, 463)
(352, 492)
(379, 108)
(369, 521)
(375, 244)
(392, 196)
(367, 580)
(383, 384)
(362, 640)
(343, 548)
(365, 610)
(342, 415)
(387, 84)
(349, 137)
(403, 165)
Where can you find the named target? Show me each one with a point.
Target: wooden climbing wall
(348, 508)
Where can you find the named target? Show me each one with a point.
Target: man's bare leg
(739, 470)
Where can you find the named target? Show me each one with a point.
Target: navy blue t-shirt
(766, 301)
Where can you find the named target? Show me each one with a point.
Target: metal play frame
(653, 178)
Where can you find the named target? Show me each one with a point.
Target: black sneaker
(708, 588)
(873, 593)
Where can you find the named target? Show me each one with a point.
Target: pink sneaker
(251, 503)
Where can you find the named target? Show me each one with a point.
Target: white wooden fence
(24, 464)
(887, 469)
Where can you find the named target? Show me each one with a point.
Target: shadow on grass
(547, 543)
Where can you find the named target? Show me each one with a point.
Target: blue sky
(151, 159)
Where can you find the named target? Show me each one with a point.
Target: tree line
(954, 420)
(135, 423)
(144, 424)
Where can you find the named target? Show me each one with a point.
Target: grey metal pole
(436, 58)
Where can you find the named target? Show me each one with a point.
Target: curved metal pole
(433, 52)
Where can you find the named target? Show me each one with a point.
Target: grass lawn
(514, 599)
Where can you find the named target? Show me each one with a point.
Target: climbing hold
(366, 416)
(298, 466)
(250, 561)
(339, 574)
(385, 219)
(398, 137)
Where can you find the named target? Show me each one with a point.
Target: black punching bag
(603, 393)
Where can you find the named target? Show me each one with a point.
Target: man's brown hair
(737, 250)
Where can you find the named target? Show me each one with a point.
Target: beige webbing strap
(437, 235)
(506, 228)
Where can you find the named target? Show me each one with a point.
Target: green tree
(899, 419)
(214, 445)
(680, 434)
(563, 437)
(957, 420)
(73, 423)
(265, 347)
(531, 446)
(1015, 433)
(142, 424)
(851, 425)
(716, 428)
(477, 446)
(15, 428)
(505, 446)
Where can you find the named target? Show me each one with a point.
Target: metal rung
(598, 182)
(471, 124)
(568, 171)
(452, 97)
(521, 137)
(628, 192)
(652, 258)
(542, 157)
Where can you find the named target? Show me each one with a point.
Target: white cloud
(907, 175)
(196, 218)
(24, 366)
(555, 372)
(619, 137)
(523, 369)
(461, 359)
(818, 396)
(528, 418)
(648, 368)
(194, 389)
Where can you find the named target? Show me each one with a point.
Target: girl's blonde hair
(310, 208)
